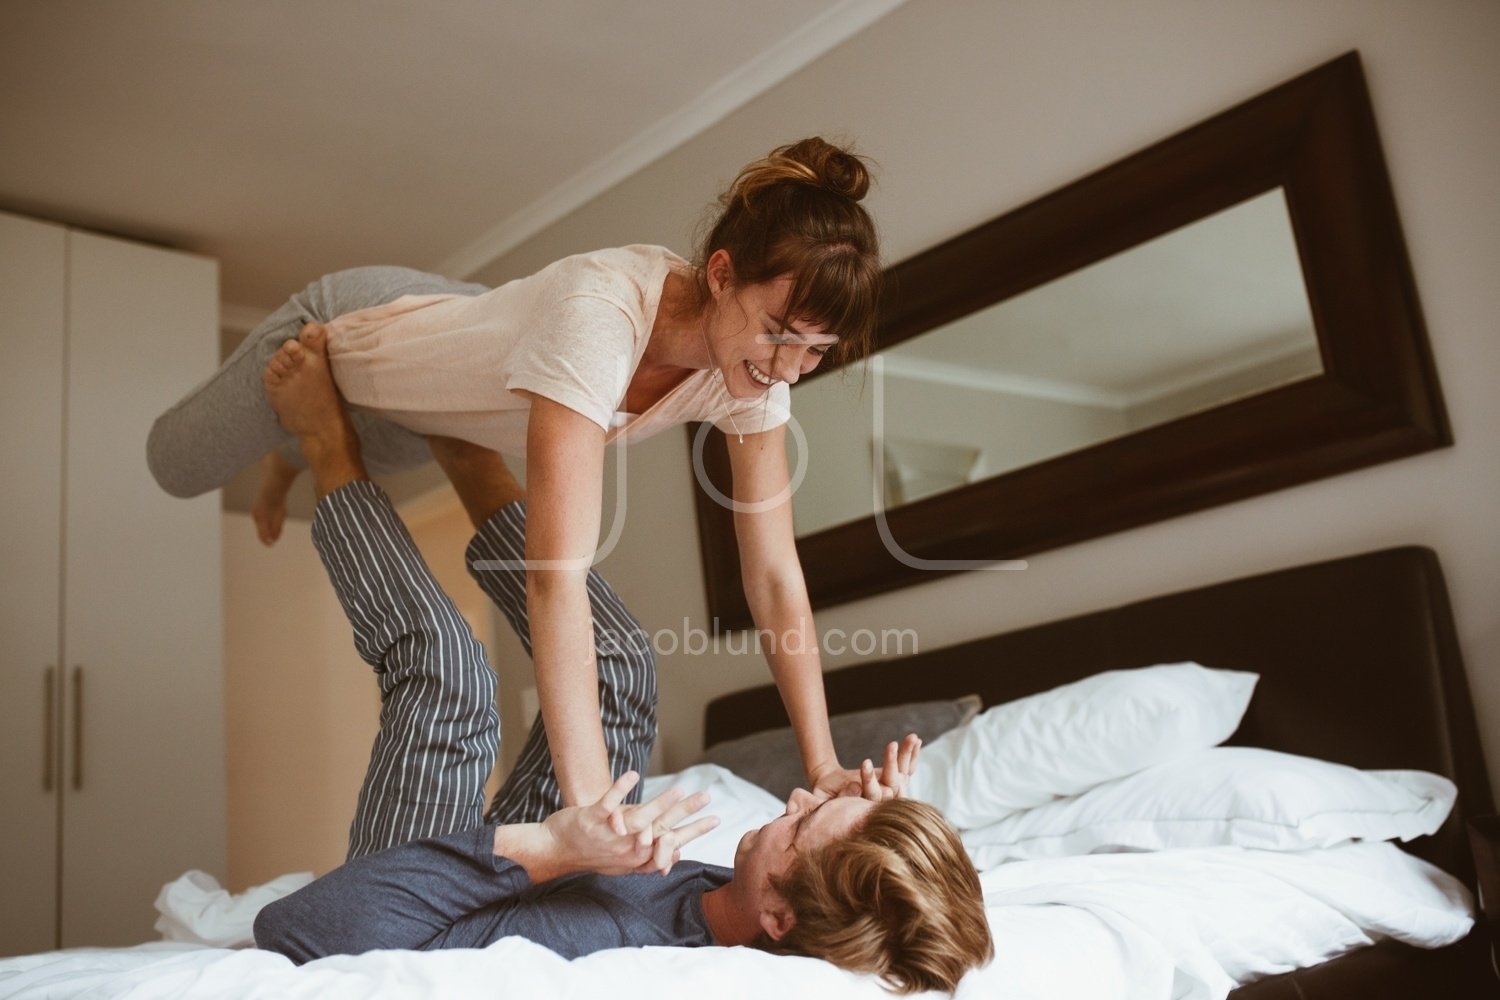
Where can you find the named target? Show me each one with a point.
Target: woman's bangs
(836, 294)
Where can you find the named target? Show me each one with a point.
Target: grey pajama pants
(225, 423)
(439, 731)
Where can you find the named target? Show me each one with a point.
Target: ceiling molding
(1082, 394)
(1261, 355)
(717, 102)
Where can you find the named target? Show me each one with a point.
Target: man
(426, 870)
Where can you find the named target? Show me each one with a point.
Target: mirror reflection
(1208, 313)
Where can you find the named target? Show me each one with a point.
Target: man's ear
(777, 921)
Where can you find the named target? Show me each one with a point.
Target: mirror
(1227, 312)
(1193, 319)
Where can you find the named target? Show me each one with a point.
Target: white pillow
(1238, 796)
(1061, 742)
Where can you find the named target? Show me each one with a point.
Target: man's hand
(612, 838)
(889, 782)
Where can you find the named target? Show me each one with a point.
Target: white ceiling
(290, 138)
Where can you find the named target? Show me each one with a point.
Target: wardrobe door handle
(49, 715)
(77, 728)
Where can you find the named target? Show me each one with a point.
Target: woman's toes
(285, 360)
(313, 336)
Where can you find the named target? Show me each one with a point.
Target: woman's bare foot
(301, 391)
(480, 477)
(269, 509)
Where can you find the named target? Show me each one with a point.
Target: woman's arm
(564, 479)
(777, 593)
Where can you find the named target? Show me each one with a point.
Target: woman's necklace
(719, 381)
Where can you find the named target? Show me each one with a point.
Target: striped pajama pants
(439, 731)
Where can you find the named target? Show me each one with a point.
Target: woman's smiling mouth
(759, 375)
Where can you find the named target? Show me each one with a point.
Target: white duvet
(1189, 924)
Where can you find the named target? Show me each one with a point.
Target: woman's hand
(889, 782)
(612, 838)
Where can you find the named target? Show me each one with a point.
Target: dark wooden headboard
(1358, 659)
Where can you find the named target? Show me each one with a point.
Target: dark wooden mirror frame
(1377, 400)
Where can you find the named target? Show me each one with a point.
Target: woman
(551, 368)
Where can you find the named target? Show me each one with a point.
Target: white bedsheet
(1181, 924)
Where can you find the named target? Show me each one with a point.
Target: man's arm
(406, 896)
(401, 897)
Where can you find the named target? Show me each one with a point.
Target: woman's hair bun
(796, 212)
(812, 161)
(836, 169)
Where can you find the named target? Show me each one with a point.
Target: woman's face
(749, 345)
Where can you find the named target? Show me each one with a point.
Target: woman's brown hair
(898, 898)
(796, 212)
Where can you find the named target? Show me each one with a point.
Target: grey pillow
(771, 760)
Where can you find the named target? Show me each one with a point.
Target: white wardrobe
(111, 638)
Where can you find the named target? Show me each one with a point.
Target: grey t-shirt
(453, 892)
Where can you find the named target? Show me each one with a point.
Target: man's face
(807, 824)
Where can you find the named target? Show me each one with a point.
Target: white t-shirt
(573, 332)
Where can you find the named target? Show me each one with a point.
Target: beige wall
(973, 108)
(301, 706)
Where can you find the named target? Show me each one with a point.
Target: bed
(1358, 664)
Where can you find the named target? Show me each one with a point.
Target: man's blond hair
(898, 897)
